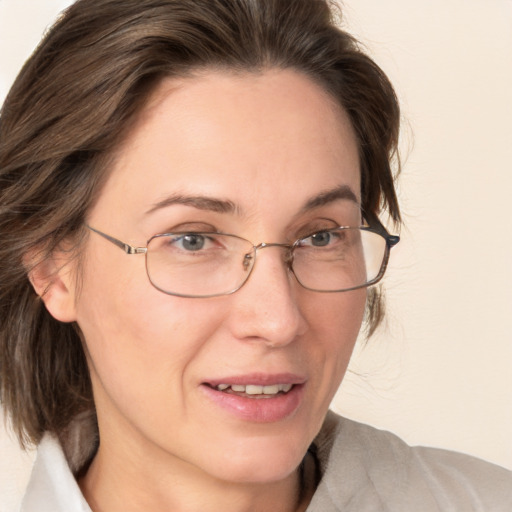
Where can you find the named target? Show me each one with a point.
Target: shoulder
(364, 468)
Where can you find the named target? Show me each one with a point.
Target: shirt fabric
(362, 469)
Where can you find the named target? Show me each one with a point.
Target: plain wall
(439, 372)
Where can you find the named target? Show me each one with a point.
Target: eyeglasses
(209, 264)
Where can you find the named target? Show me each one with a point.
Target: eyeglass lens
(208, 264)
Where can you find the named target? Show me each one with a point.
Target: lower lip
(258, 410)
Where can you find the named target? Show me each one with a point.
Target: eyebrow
(200, 202)
(343, 192)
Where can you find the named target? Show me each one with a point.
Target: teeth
(270, 390)
(252, 389)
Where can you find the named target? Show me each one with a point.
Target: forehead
(252, 139)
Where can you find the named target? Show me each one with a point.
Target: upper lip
(258, 379)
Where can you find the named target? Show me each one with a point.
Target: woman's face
(261, 148)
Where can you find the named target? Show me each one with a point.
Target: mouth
(257, 398)
(253, 390)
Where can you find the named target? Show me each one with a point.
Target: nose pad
(248, 261)
(266, 306)
(288, 252)
(288, 259)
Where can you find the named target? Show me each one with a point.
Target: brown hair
(70, 108)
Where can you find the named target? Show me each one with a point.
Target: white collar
(52, 486)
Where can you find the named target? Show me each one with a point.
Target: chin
(258, 459)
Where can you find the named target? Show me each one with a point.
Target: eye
(191, 242)
(320, 239)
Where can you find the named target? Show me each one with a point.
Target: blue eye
(192, 242)
(321, 239)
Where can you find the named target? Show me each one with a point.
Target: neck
(129, 482)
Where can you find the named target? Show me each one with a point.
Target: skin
(267, 143)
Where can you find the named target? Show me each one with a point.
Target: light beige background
(440, 372)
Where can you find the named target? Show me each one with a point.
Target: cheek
(335, 321)
(140, 341)
(338, 317)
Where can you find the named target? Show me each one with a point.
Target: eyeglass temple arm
(376, 225)
(128, 249)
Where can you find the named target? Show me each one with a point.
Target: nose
(267, 307)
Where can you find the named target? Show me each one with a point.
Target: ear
(53, 280)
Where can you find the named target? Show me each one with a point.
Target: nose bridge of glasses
(264, 245)
(288, 257)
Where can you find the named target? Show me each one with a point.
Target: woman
(189, 222)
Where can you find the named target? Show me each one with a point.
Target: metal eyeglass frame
(374, 226)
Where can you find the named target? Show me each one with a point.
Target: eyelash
(304, 231)
(317, 226)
